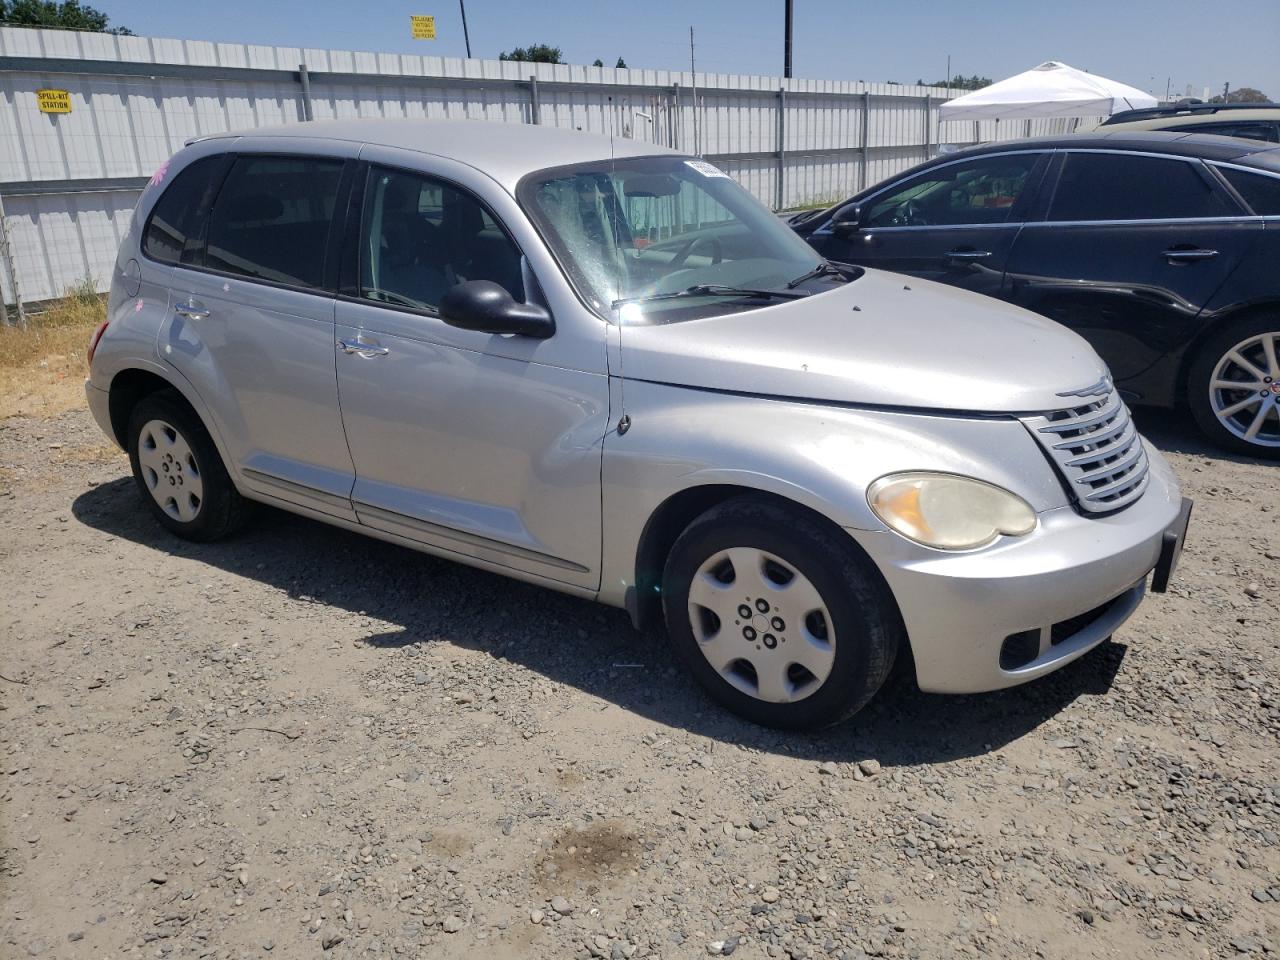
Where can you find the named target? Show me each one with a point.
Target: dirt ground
(302, 743)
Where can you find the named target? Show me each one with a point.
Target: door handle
(968, 254)
(361, 349)
(1180, 255)
(193, 309)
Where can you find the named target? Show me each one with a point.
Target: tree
(598, 62)
(534, 53)
(621, 64)
(1243, 95)
(67, 14)
(961, 82)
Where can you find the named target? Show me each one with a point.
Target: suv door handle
(1188, 254)
(968, 254)
(193, 309)
(362, 349)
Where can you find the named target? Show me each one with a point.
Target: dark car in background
(1252, 121)
(1162, 250)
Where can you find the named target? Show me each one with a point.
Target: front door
(954, 223)
(477, 444)
(1131, 250)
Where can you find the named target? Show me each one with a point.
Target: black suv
(1162, 250)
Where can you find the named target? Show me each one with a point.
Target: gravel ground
(302, 742)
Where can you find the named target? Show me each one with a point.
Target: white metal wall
(124, 124)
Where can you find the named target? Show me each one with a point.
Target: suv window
(172, 232)
(1260, 192)
(420, 236)
(271, 219)
(1111, 186)
(983, 190)
(1249, 130)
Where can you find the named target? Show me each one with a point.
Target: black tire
(867, 626)
(220, 509)
(1201, 374)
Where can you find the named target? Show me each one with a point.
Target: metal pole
(6, 251)
(928, 122)
(305, 81)
(535, 108)
(462, 5)
(678, 108)
(782, 147)
(786, 59)
(866, 137)
(697, 143)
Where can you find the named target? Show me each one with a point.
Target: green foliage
(598, 62)
(961, 82)
(1243, 95)
(621, 64)
(534, 53)
(67, 14)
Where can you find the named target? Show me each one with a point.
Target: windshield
(661, 239)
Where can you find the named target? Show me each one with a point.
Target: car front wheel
(781, 619)
(1234, 387)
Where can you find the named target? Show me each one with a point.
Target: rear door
(954, 223)
(251, 324)
(1132, 248)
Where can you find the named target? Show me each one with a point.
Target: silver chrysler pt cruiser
(603, 367)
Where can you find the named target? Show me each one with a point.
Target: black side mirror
(485, 306)
(848, 221)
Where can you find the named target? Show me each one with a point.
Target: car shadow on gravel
(579, 643)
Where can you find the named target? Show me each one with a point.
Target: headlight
(949, 512)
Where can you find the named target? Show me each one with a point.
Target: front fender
(819, 456)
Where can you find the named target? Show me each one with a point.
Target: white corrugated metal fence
(69, 181)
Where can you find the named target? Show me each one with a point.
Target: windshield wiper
(825, 268)
(712, 290)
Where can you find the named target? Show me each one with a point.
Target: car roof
(1201, 111)
(504, 151)
(1205, 146)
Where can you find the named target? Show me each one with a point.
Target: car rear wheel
(1234, 387)
(781, 619)
(179, 473)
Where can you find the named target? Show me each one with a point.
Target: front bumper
(1065, 588)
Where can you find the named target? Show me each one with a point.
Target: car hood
(881, 340)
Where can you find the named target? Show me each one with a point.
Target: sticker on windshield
(704, 168)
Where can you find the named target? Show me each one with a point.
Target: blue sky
(1140, 42)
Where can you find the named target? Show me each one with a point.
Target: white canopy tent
(1052, 89)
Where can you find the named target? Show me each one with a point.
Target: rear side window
(1261, 193)
(173, 230)
(1254, 130)
(1111, 186)
(271, 219)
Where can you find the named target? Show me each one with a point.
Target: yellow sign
(424, 28)
(54, 101)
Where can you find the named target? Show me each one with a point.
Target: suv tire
(781, 619)
(1227, 416)
(179, 473)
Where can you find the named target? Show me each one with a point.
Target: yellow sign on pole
(423, 28)
(54, 101)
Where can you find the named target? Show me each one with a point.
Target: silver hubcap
(1245, 390)
(169, 470)
(762, 625)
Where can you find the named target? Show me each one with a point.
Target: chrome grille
(1096, 450)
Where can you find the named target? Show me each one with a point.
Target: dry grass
(42, 368)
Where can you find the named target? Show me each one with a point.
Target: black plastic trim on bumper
(1171, 549)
